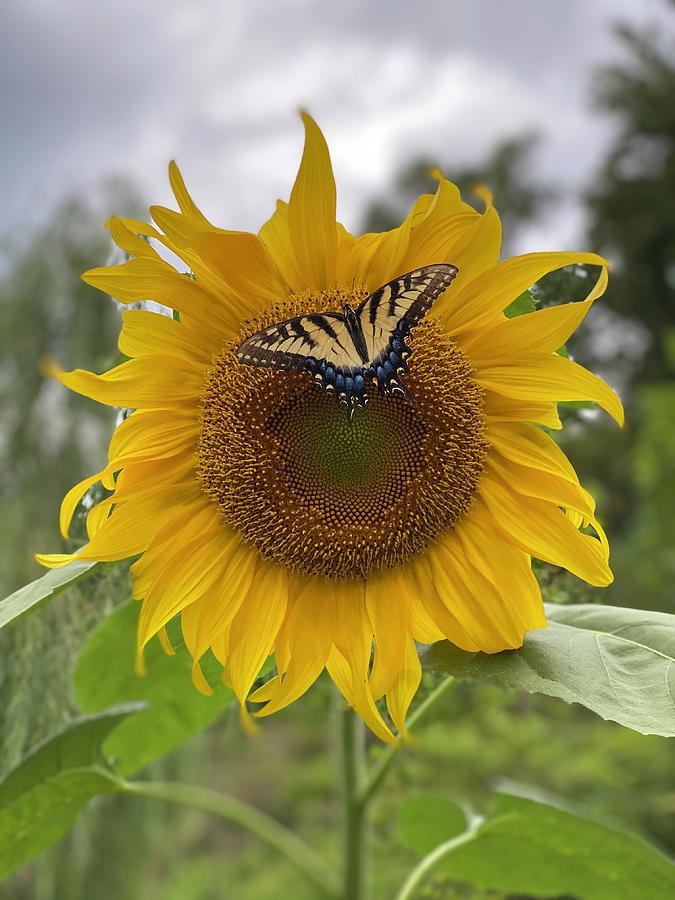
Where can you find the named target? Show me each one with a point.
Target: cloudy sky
(121, 86)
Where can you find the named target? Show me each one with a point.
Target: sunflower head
(274, 520)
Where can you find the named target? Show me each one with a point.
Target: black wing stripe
(394, 292)
(302, 332)
(323, 323)
(374, 301)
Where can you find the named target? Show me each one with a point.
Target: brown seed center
(323, 495)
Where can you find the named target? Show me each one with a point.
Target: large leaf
(41, 798)
(37, 592)
(527, 847)
(617, 662)
(105, 675)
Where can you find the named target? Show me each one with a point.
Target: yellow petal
(544, 531)
(437, 605)
(474, 251)
(172, 474)
(540, 378)
(72, 499)
(147, 333)
(244, 264)
(276, 237)
(255, 627)
(530, 446)
(187, 522)
(189, 570)
(54, 560)
(136, 227)
(309, 631)
(472, 599)
(157, 382)
(203, 622)
(165, 641)
(443, 225)
(183, 198)
(545, 330)
(154, 434)
(127, 532)
(506, 567)
(311, 211)
(389, 620)
(342, 675)
(128, 239)
(401, 692)
(147, 279)
(510, 409)
(353, 639)
(484, 298)
(533, 482)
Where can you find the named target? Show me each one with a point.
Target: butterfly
(343, 351)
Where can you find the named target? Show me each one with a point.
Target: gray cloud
(118, 86)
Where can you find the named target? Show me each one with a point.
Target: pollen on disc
(323, 495)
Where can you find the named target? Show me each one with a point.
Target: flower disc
(323, 495)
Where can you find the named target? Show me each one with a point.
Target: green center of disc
(316, 438)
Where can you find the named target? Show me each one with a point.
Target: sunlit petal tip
(199, 680)
(139, 661)
(54, 560)
(185, 202)
(165, 641)
(312, 224)
(485, 194)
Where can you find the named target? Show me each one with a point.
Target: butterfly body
(343, 352)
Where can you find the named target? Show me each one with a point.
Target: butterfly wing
(316, 343)
(342, 352)
(388, 316)
(320, 344)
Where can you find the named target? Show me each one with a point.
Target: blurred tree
(506, 171)
(631, 206)
(51, 437)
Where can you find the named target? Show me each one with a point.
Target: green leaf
(521, 305)
(528, 847)
(33, 595)
(617, 662)
(105, 675)
(41, 798)
(425, 820)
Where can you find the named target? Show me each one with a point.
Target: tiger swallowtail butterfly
(343, 351)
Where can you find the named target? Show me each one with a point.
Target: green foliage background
(127, 847)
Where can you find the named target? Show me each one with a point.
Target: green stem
(388, 756)
(262, 825)
(355, 849)
(431, 860)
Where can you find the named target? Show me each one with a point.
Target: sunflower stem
(259, 823)
(379, 771)
(355, 824)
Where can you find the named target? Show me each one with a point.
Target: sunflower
(268, 521)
